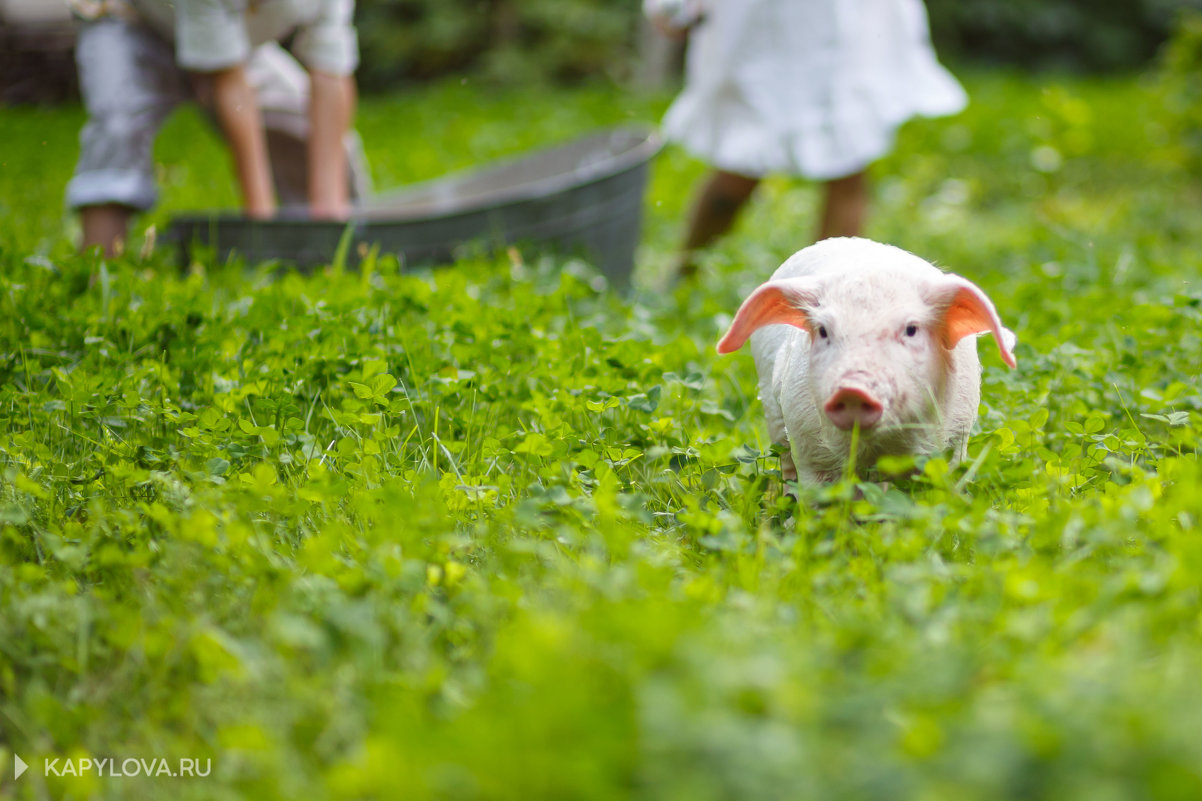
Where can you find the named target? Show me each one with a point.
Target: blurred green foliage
(505, 40)
(566, 40)
(1180, 85)
(1064, 34)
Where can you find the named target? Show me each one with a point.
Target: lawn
(497, 531)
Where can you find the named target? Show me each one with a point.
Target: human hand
(237, 111)
(331, 108)
(673, 18)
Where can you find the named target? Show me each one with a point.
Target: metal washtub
(585, 197)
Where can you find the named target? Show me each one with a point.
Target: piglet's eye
(822, 332)
(911, 330)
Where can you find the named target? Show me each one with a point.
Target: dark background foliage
(559, 40)
(1079, 35)
(575, 39)
(568, 41)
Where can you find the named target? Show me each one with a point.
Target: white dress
(815, 88)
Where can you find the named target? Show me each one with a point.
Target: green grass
(497, 532)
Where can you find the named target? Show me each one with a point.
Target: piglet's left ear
(785, 301)
(964, 310)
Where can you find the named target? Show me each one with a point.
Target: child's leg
(105, 225)
(844, 206)
(722, 196)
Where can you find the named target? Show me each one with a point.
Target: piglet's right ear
(965, 310)
(785, 301)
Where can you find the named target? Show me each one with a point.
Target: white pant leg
(130, 83)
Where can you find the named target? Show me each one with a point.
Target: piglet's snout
(849, 406)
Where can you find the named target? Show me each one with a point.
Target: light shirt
(211, 35)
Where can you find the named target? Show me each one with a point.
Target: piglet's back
(852, 255)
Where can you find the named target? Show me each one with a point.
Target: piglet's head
(879, 342)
